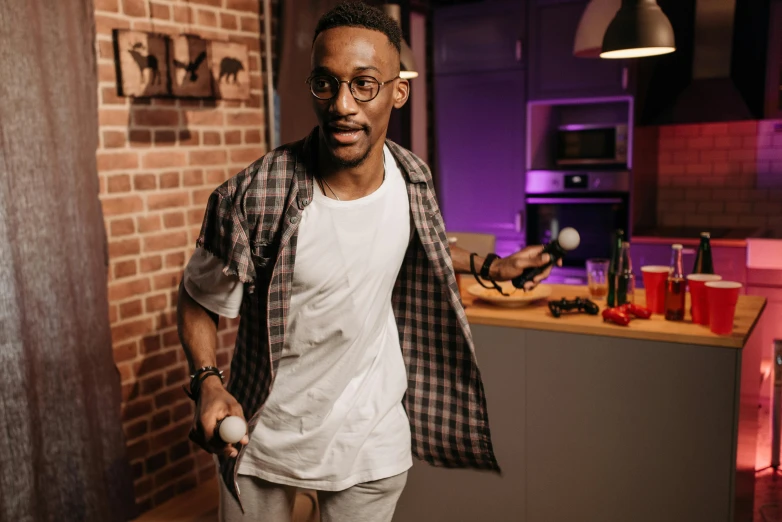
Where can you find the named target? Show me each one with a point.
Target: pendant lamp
(405, 54)
(640, 28)
(594, 22)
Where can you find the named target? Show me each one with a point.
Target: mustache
(346, 125)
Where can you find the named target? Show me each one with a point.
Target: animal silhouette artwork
(145, 62)
(190, 67)
(230, 70)
(142, 68)
(230, 67)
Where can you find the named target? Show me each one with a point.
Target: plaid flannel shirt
(251, 223)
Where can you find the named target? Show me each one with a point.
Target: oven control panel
(552, 182)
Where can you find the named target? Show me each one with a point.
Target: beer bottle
(625, 279)
(703, 260)
(675, 287)
(613, 267)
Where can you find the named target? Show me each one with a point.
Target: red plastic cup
(699, 297)
(722, 296)
(655, 277)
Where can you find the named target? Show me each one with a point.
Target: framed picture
(141, 60)
(189, 66)
(230, 70)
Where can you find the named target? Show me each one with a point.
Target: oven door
(595, 217)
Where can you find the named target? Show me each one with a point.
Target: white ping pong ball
(569, 238)
(232, 429)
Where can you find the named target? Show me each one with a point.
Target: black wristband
(198, 377)
(487, 265)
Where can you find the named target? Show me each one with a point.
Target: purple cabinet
(480, 122)
(553, 70)
(484, 36)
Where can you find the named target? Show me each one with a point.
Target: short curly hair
(359, 14)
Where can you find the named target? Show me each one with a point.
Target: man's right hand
(214, 404)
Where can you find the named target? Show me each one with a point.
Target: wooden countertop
(536, 316)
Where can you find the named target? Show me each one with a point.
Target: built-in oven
(594, 203)
(591, 146)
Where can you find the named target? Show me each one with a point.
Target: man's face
(350, 129)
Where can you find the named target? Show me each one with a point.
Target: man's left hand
(512, 266)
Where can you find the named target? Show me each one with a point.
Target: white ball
(569, 238)
(232, 429)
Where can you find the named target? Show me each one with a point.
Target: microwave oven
(591, 145)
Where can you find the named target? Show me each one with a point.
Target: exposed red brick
(176, 376)
(207, 18)
(156, 462)
(161, 419)
(134, 7)
(160, 11)
(125, 371)
(228, 21)
(157, 160)
(156, 117)
(195, 216)
(125, 351)
(156, 303)
(171, 338)
(119, 183)
(131, 309)
(251, 24)
(105, 24)
(127, 289)
(252, 136)
(728, 142)
(150, 385)
(136, 429)
(165, 137)
(117, 161)
(148, 224)
(233, 137)
(124, 247)
(113, 139)
(703, 142)
(245, 156)
(140, 138)
(207, 157)
(193, 177)
(165, 241)
(714, 156)
(174, 219)
(163, 201)
(212, 138)
(175, 471)
(163, 495)
(183, 14)
(175, 260)
(144, 182)
(106, 73)
(216, 177)
(170, 397)
(109, 96)
(205, 117)
(125, 269)
(189, 137)
(122, 205)
(743, 127)
(169, 180)
(150, 344)
(143, 487)
(243, 5)
(244, 118)
(157, 362)
(200, 197)
(166, 281)
(122, 227)
(213, 3)
(138, 449)
(136, 409)
(107, 5)
(714, 129)
(742, 155)
(207, 472)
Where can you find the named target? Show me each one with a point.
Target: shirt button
(295, 219)
(305, 202)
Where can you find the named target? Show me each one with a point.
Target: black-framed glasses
(363, 88)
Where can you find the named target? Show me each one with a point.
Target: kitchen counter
(595, 421)
(537, 316)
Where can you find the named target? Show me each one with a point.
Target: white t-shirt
(334, 417)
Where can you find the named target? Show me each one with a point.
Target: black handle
(529, 274)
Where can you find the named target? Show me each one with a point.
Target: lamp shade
(594, 22)
(405, 54)
(640, 28)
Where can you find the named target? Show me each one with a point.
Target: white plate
(516, 298)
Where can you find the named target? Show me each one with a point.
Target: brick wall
(158, 161)
(720, 175)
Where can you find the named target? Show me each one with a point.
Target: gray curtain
(62, 451)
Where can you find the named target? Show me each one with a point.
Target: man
(333, 251)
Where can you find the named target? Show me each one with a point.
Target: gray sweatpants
(267, 502)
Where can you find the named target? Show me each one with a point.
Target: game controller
(578, 304)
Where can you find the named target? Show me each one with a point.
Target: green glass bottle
(613, 267)
(704, 264)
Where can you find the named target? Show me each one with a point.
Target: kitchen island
(591, 421)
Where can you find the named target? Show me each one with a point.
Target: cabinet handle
(520, 221)
(518, 50)
(624, 78)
